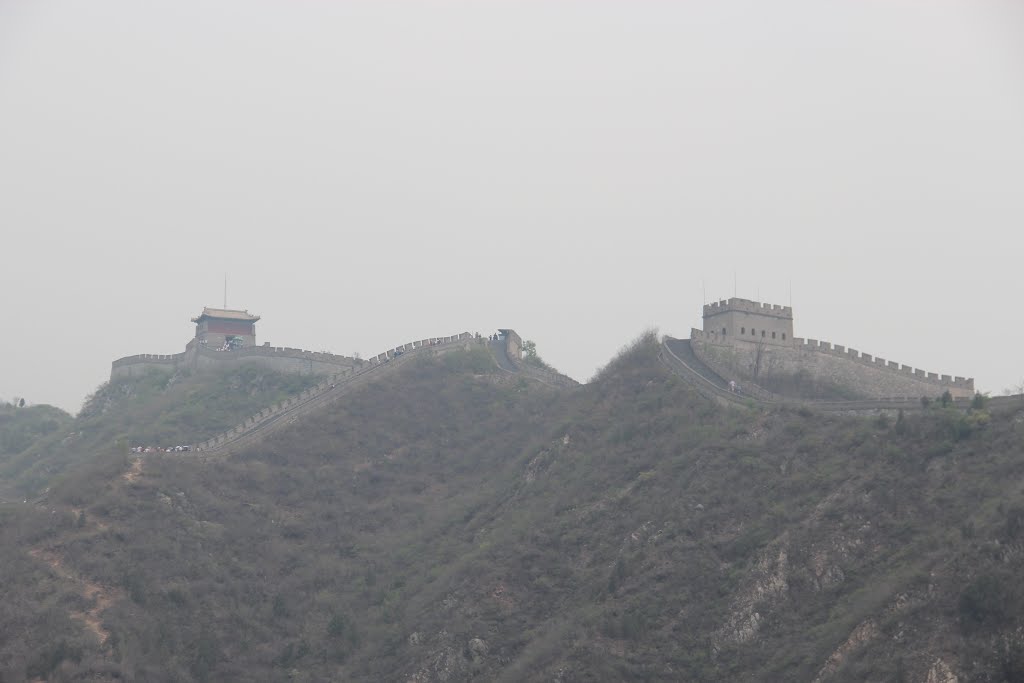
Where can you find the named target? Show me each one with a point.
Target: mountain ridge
(454, 522)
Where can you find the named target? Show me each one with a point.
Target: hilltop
(20, 427)
(150, 409)
(454, 521)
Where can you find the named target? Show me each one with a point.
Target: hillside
(23, 426)
(452, 522)
(157, 409)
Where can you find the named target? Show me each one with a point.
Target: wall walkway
(550, 377)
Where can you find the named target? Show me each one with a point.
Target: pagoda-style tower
(225, 329)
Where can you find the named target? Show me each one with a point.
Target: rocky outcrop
(940, 672)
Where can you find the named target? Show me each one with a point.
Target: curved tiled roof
(225, 314)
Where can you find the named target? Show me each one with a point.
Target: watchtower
(221, 328)
(742, 320)
(513, 343)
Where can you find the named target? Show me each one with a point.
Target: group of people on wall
(160, 449)
(230, 343)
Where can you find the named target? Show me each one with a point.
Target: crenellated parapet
(747, 306)
(413, 345)
(144, 363)
(867, 374)
(751, 322)
(965, 383)
(332, 387)
(272, 351)
(149, 358)
(279, 358)
(678, 355)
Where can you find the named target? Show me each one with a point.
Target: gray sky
(372, 173)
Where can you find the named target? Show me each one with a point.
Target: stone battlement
(149, 358)
(332, 386)
(432, 341)
(280, 358)
(748, 306)
(875, 361)
(197, 356)
(959, 385)
(268, 351)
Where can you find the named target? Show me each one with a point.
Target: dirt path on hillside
(133, 472)
(98, 596)
(101, 596)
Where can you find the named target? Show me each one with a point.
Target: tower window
(753, 332)
(723, 331)
(762, 333)
(743, 330)
(783, 335)
(773, 335)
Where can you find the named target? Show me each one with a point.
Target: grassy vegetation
(156, 409)
(20, 427)
(452, 524)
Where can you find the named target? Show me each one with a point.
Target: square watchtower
(743, 320)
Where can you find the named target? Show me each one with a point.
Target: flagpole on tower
(225, 291)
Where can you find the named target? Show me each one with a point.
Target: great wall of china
(678, 356)
(703, 340)
(227, 338)
(282, 359)
(753, 343)
(714, 361)
(270, 420)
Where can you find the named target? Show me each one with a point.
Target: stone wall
(281, 359)
(333, 386)
(862, 374)
(134, 366)
(513, 344)
(293, 361)
(432, 341)
(200, 357)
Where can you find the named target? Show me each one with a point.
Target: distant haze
(372, 173)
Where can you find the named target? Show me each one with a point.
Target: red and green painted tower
(225, 329)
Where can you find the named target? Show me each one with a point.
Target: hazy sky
(368, 173)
